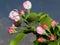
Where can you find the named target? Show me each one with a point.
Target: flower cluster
(45, 28)
(11, 29)
(41, 30)
(15, 15)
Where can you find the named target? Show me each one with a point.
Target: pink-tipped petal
(21, 11)
(44, 26)
(14, 15)
(52, 37)
(40, 39)
(27, 5)
(53, 23)
(40, 30)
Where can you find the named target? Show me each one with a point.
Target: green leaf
(36, 42)
(45, 19)
(59, 28)
(56, 30)
(31, 17)
(40, 14)
(53, 43)
(18, 38)
(57, 42)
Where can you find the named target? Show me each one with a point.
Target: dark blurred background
(51, 7)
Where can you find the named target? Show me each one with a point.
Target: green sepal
(45, 19)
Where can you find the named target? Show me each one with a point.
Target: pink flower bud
(52, 37)
(40, 39)
(17, 24)
(21, 11)
(53, 23)
(10, 30)
(44, 26)
(14, 15)
(40, 30)
(27, 5)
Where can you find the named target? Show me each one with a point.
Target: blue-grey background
(52, 7)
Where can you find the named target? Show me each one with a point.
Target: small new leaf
(18, 38)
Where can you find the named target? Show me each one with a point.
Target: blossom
(53, 23)
(27, 5)
(52, 37)
(44, 26)
(21, 11)
(40, 30)
(14, 15)
(40, 39)
(10, 30)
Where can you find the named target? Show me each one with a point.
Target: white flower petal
(40, 30)
(14, 15)
(27, 5)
